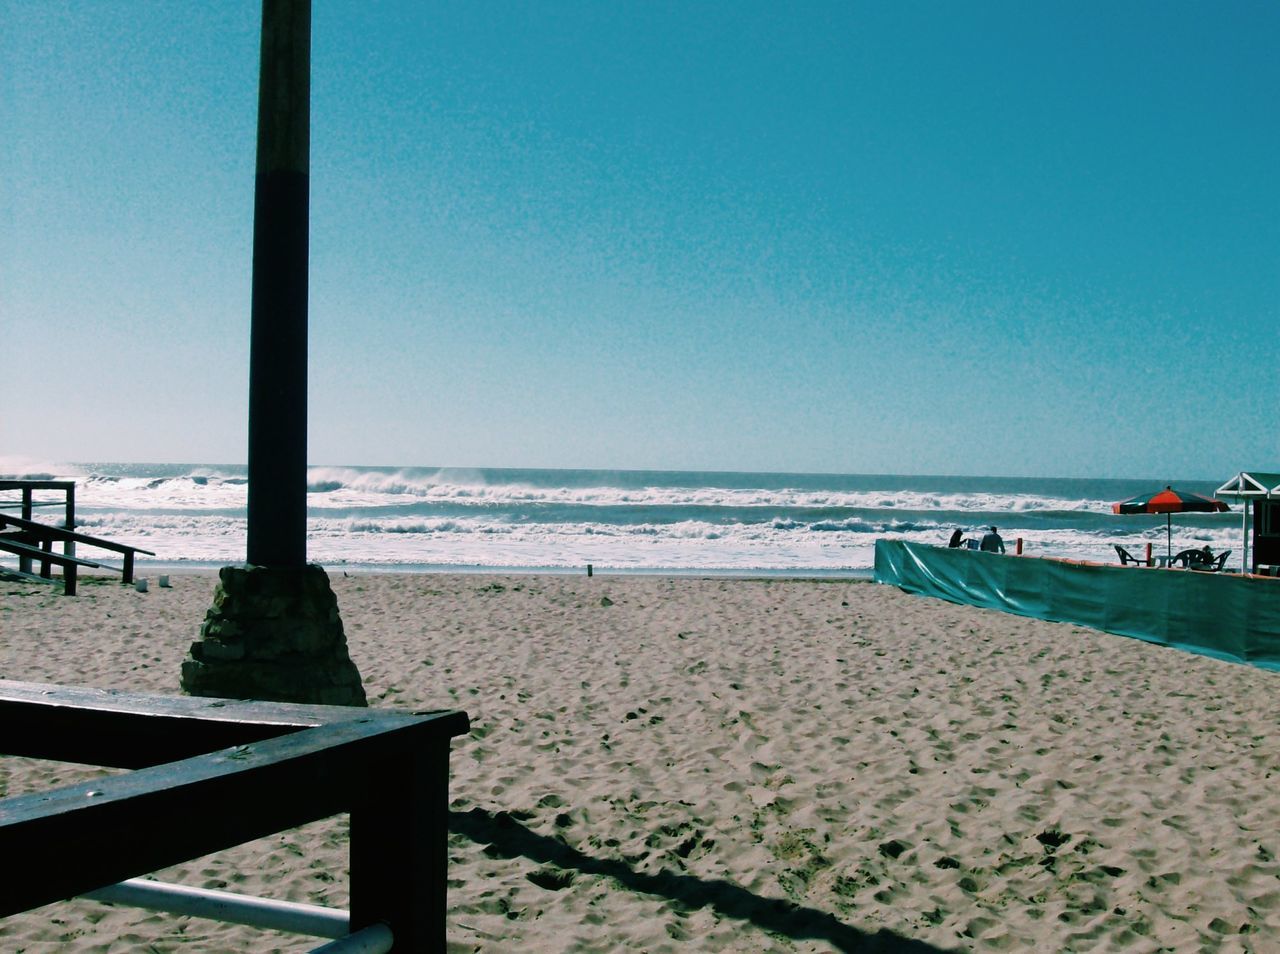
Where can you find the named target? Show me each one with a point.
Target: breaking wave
(452, 517)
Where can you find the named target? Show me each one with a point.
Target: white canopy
(1253, 483)
(1249, 485)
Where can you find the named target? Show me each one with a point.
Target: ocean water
(420, 518)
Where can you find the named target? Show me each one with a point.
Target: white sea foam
(346, 489)
(494, 518)
(191, 492)
(367, 495)
(463, 541)
(16, 467)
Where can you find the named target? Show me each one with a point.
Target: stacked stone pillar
(273, 633)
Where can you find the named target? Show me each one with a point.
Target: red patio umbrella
(1169, 501)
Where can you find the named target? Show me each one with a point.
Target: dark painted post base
(400, 849)
(273, 633)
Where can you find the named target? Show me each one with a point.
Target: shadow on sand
(505, 837)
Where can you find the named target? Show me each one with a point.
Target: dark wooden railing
(212, 773)
(33, 542)
(26, 505)
(27, 502)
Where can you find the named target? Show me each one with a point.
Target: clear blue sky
(1005, 238)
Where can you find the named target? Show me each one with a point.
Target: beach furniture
(1169, 501)
(1212, 566)
(213, 773)
(1128, 559)
(1191, 559)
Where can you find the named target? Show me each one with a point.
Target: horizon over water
(431, 518)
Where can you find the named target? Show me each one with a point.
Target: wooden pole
(24, 563)
(69, 521)
(306, 660)
(399, 848)
(277, 506)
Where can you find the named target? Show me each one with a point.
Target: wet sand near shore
(689, 764)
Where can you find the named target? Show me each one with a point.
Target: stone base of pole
(274, 634)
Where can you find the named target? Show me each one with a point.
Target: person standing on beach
(992, 542)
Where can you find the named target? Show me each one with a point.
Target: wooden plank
(24, 562)
(8, 573)
(84, 836)
(46, 531)
(133, 730)
(88, 835)
(399, 853)
(388, 768)
(145, 704)
(10, 484)
(120, 740)
(44, 556)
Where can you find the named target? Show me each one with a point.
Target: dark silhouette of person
(957, 538)
(992, 542)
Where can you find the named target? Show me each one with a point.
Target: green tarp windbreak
(1224, 615)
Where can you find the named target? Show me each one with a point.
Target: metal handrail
(265, 913)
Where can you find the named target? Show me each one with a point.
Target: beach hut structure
(1259, 493)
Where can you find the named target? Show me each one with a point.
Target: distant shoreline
(142, 568)
(428, 520)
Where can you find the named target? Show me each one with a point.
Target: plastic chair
(1212, 566)
(1190, 559)
(1127, 558)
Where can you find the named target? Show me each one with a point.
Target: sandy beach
(683, 764)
